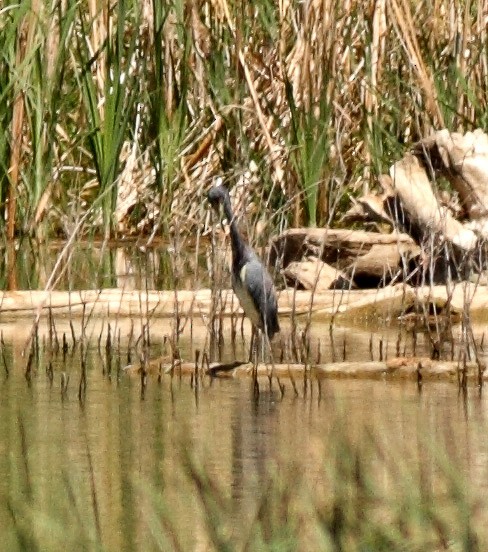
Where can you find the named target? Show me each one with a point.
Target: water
(116, 455)
(109, 466)
(97, 265)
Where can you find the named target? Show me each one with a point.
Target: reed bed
(119, 116)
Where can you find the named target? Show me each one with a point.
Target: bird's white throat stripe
(245, 299)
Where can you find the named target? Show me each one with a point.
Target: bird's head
(217, 196)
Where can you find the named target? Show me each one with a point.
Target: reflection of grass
(91, 265)
(365, 497)
(65, 518)
(359, 494)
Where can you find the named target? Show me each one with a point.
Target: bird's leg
(262, 339)
(271, 372)
(253, 358)
(252, 347)
(249, 356)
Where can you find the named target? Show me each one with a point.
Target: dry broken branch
(413, 202)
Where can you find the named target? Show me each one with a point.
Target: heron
(251, 281)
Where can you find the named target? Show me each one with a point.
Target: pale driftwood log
(366, 258)
(425, 214)
(450, 249)
(381, 262)
(314, 274)
(463, 159)
(420, 369)
(390, 301)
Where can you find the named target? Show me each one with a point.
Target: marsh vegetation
(116, 118)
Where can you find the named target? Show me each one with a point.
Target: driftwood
(430, 220)
(416, 369)
(364, 258)
(463, 160)
(330, 245)
(388, 302)
(314, 274)
(451, 249)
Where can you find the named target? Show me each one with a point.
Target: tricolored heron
(251, 281)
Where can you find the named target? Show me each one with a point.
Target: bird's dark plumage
(250, 280)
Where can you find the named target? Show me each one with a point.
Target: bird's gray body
(253, 286)
(251, 281)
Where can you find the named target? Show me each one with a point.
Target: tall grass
(141, 104)
(108, 81)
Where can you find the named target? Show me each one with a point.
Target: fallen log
(380, 265)
(365, 258)
(338, 247)
(427, 221)
(386, 303)
(412, 203)
(315, 275)
(419, 369)
(463, 160)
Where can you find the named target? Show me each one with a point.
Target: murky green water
(110, 464)
(111, 459)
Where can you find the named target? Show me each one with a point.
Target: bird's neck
(237, 243)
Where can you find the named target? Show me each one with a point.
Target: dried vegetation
(119, 116)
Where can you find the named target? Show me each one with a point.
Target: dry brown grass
(319, 95)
